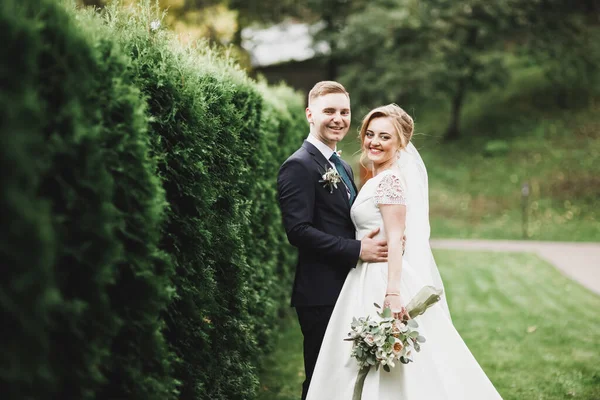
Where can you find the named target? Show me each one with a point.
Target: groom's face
(329, 117)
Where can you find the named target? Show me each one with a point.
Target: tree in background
(195, 20)
(399, 49)
(264, 12)
(418, 49)
(332, 13)
(559, 36)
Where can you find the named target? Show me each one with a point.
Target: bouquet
(383, 342)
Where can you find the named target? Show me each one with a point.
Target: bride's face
(381, 141)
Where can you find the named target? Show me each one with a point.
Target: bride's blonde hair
(402, 122)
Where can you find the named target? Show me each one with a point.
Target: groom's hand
(373, 250)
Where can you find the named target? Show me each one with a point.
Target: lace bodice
(389, 190)
(386, 188)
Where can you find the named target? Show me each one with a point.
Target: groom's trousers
(313, 323)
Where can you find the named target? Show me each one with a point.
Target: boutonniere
(330, 179)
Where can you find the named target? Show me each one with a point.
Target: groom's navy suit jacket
(318, 223)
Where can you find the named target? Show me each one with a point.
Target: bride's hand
(395, 303)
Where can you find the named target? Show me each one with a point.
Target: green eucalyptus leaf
(412, 323)
(387, 312)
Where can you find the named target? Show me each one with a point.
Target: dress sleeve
(390, 191)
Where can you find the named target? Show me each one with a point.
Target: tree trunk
(453, 132)
(562, 97)
(331, 62)
(240, 25)
(95, 3)
(332, 68)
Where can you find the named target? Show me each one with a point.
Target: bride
(396, 199)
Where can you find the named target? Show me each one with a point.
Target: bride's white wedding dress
(444, 368)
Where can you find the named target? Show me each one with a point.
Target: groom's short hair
(326, 87)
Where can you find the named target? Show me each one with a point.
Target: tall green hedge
(272, 260)
(141, 363)
(143, 173)
(99, 281)
(219, 174)
(28, 290)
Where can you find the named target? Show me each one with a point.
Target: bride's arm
(394, 224)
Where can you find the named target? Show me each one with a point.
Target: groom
(316, 216)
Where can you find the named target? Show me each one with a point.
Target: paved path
(579, 261)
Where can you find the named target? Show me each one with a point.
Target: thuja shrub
(219, 155)
(94, 111)
(28, 291)
(83, 307)
(140, 365)
(272, 259)
(205, 117)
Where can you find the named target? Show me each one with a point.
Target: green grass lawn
(284, 373)
(535, 332)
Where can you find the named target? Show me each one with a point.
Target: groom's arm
(297, 201)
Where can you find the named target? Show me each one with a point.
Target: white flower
(330, 179)
(154, 25)
(397, 347)
(399, 327)
(370, 340)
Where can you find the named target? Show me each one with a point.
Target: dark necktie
(342, 171)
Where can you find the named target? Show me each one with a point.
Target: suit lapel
(324, 165)
(317, 156)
